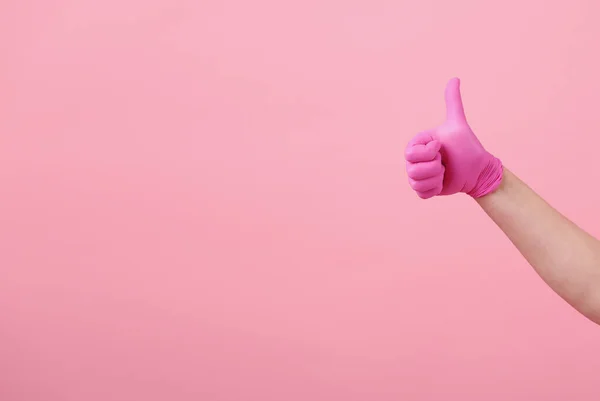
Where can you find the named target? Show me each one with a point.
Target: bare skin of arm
(566, 257)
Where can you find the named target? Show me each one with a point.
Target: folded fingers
(427, 184)
(427, 169)
(422, 152)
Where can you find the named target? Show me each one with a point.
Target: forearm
(565, 256)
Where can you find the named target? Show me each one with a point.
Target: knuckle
(421, 186)
(424, 195)
(410, 152)
(413, 170)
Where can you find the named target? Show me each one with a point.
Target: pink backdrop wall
(206, 200)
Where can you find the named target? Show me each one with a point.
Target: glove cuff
(489, 179)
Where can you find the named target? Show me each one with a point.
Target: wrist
(489, 179)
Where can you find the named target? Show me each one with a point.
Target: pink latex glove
(450, 159)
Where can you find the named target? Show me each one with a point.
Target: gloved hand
(450, 159)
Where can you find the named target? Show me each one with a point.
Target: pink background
(206, 200)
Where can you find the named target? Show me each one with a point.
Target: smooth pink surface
(206, 200)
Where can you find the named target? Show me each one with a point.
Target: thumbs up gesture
(450, 159)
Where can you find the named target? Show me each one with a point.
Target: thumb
(454, 106)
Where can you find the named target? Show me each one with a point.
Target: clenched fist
(450, 159)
